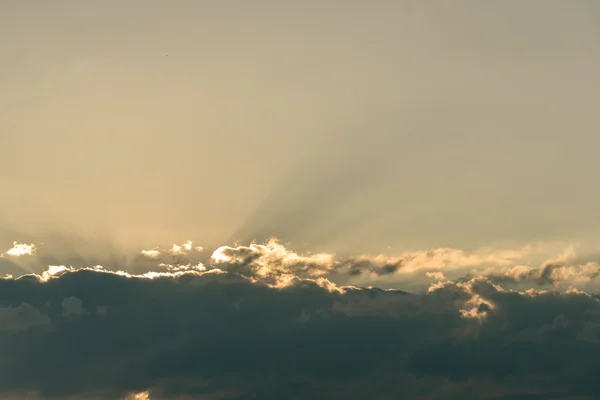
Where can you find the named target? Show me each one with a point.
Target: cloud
(21, 249)
(263, 321)
(139, 396)
(21, 318)
(72, 306)
(272, 260)
(79, 252)
(177, 255)
(435, 275)
(235, 333)
(560, 272)
(543, 264)
(273, 254)
(150, 253)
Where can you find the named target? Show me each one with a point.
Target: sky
(380, 189)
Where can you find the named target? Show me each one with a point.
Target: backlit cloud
(235, 335)
(21, 249)
(139, 396)
(264, 321)
(150, 253)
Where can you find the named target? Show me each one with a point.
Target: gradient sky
(353, 126)
(429, 167)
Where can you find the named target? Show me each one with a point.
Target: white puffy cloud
(150, 253)
(21, 249)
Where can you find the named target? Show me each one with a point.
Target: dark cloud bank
(91, 334)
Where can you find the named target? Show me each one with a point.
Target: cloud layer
(263, 322)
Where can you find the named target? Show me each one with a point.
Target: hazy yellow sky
(348, 126)
(430, 168)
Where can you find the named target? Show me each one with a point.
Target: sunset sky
(166, 164)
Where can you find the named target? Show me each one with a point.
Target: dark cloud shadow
(212, 335)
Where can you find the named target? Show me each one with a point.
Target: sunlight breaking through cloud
(139, 396)
(275, 264)
(266, 299)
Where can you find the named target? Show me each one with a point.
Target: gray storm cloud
(262, 321)
(214, 335)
